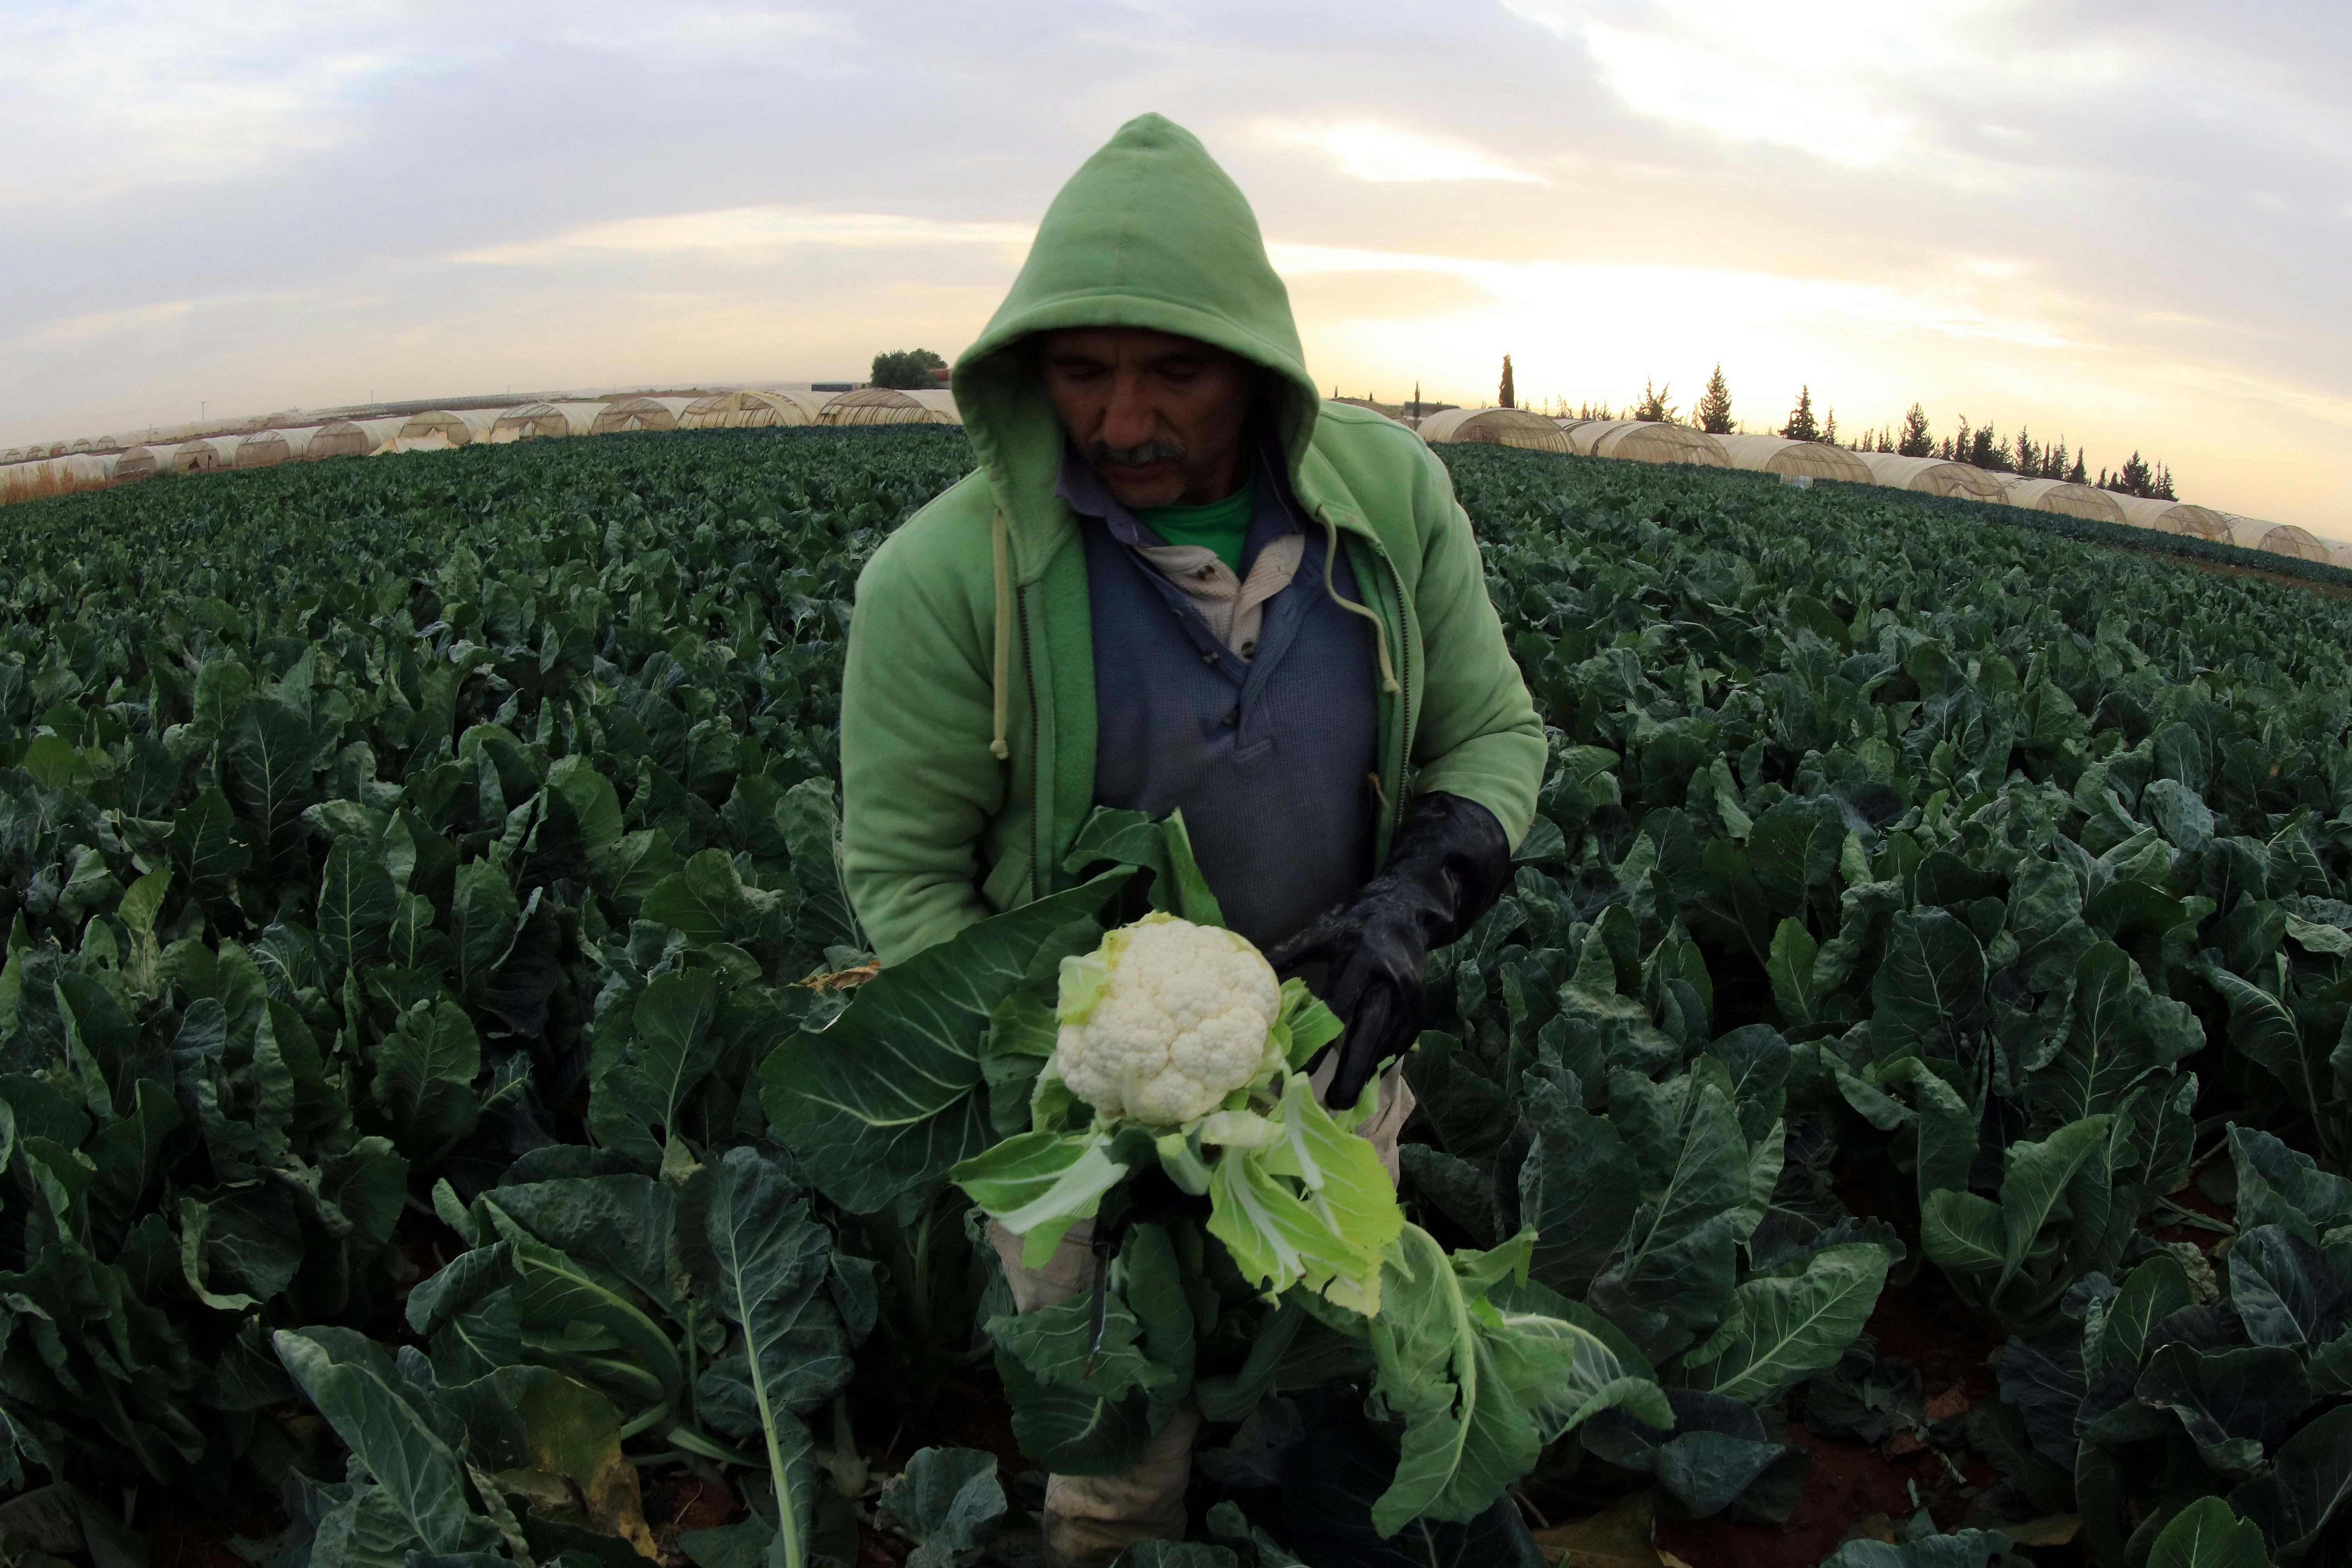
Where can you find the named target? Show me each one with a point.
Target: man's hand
(1446, 868)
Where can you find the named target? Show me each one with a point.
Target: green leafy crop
(423, 916)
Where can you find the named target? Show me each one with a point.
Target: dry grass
(844, 979)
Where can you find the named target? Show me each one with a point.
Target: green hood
(1149, 233)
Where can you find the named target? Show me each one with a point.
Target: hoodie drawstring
(1001, 542)
(1379, 631)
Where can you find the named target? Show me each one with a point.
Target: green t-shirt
(1221, 525)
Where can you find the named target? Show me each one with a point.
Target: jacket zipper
(1039, 830)
(1404, 696)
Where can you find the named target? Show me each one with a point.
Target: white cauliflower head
(1164, 1019)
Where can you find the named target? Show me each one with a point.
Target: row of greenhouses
(1645, 441)
(95, 462)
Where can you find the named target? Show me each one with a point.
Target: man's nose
(1128, 421)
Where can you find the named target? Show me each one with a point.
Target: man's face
(1160, 418)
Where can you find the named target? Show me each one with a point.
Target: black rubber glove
(1447, 865)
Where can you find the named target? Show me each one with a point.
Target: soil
(1855, 1489)
(1921, 1321)
(676, 1501)
(880, 1549)
(964, 1409)
(181, 1535)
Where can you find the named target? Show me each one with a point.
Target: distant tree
(1653, 405)
(1829, 428)
(1714, 410)
(2054, 461)
(2139, 476)
(1915, 441)
(909, 370)
(2029, 454)
(1988, 451)
(2078, 473)
(1801, 425)
(1511, 389)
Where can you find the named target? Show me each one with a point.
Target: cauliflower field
(1907, 1090)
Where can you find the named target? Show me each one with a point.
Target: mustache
(1136, 457)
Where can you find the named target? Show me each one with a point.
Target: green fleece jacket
(967, 705)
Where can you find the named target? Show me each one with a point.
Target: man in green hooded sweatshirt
(1179, 580)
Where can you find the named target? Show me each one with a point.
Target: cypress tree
(1988, 451)
(1510, 388)
(1916, 443)
(1801, 425)
(1714, 410)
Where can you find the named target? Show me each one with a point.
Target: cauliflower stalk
(1187, 1053)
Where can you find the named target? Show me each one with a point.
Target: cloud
(1385, 154)
(145, 93)
(107, 323)
(1868, 84)
(750, 234)
(696, 31)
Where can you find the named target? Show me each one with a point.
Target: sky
(2124, 222)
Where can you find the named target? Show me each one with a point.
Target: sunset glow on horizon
(2123, 224)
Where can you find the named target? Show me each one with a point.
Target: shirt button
(1233, 718)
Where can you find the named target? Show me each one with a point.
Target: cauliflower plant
(1164, 1020)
